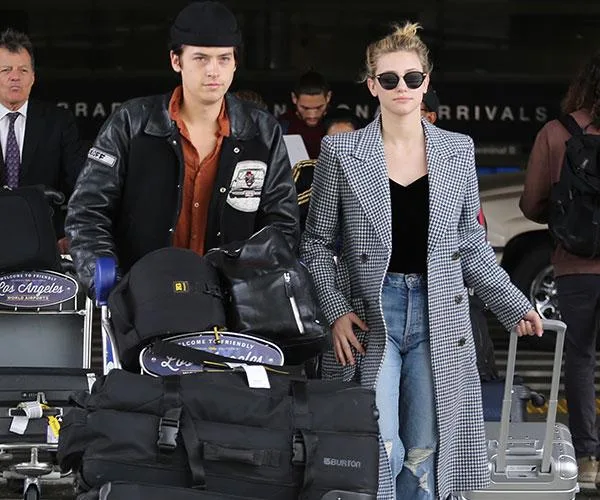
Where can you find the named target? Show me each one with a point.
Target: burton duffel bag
(299, 439)
(120, 490)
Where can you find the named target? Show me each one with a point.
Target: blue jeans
(405, 394)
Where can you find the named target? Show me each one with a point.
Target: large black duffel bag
(300, 439)
(120, 490)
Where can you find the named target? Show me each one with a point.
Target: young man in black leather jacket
(195, 168)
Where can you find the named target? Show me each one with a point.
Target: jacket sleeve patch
(102, 157)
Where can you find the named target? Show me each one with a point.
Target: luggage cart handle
(105, 278)
(560, 328)
(46, 412)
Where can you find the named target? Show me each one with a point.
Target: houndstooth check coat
(351, 200)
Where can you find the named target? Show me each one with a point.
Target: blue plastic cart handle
(105, 279)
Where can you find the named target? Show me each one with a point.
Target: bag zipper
(290, 294)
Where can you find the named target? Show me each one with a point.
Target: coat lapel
(445, 178)
(366, 172)
(33, 131)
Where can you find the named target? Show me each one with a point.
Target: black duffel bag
(121, 490)
(29, 240)
(309, 440)
(167, 292)
(270, 293)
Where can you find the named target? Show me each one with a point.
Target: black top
(410, 224)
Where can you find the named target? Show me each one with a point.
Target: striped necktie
(12, 160)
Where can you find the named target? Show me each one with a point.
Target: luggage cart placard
(237, 346)
(36, 289)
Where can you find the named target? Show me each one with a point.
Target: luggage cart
(46, 332)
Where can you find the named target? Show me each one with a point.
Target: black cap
(431, 100)
(206, 24)
(341, 115)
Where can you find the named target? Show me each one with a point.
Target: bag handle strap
(259, 457)
(571, 125)
(193, 449)
(199, 357)
(174, 422)
(117, 298)
(196, 356)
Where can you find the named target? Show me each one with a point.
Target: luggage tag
(256, 374)
(32, 409)
(19, 425)
(53, 430)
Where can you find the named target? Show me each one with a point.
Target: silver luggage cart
(530, 460)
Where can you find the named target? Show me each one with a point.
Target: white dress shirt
(19, 127)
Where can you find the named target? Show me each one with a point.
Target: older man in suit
(40, 142)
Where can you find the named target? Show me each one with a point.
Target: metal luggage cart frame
(105, 279)
(74, 310)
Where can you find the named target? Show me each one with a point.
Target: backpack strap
(571, 125)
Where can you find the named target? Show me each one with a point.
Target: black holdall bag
(167, 292)
(29, 240)
(121, 490)
(574, 210)
(270, 293)
(299, 439)
(484, 347)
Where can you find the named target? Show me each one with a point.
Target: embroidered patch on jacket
(103, 157)
(246, 185)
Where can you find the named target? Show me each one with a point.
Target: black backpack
(270, 294)
(167, 292)
(574, 215)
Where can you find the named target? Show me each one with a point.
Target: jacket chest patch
(246, 185)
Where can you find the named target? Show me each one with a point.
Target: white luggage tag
(32, 409)
(256, 374)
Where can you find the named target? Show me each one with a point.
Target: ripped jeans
(405, 395)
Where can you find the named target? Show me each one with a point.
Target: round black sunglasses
(389, 80)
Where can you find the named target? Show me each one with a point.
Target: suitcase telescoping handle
(553, 325)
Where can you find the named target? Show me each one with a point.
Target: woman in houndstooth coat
(403, 196)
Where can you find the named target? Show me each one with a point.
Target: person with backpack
(562, 189)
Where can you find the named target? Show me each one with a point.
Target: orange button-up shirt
(199, 179)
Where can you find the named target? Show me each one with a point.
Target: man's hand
(344, 338)
(63, 246)
(531, 324)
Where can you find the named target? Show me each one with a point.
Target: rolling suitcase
(530, 460)
(492, 386)
(492, 392)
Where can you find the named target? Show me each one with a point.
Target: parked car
(522, 247)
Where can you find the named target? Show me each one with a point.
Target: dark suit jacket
(53, 153)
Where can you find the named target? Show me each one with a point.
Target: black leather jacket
(127, 199)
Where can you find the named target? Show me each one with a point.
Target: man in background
(430, 106)
(39, 141)
(338, 121)
(311, 97)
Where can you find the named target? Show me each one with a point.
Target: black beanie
(206, 24)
